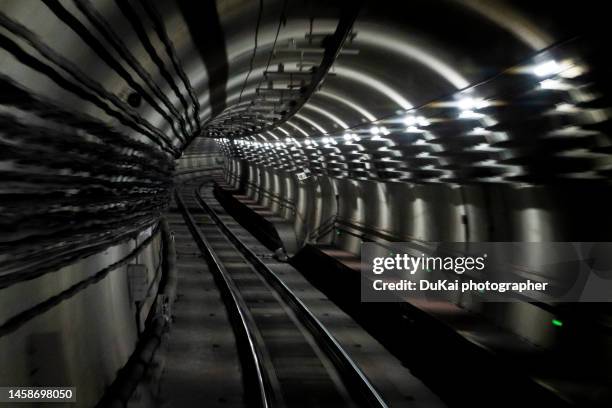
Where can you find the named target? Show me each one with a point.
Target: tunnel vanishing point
(200, 198)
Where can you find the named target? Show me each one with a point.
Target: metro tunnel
(305, 203)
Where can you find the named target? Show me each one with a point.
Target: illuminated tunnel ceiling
(100, 96)
(191, 59)
(240, 69)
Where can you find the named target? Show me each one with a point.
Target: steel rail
(349, 371)
(243, 323)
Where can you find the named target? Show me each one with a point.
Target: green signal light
(556, 322)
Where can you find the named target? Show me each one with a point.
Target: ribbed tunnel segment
(191, 193)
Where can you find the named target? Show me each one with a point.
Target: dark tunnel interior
(305, 203)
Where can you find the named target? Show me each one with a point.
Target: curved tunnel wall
(79, 325)
(99, 98)
(387, 212)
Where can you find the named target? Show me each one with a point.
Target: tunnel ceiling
(99, 97)
(200, 68)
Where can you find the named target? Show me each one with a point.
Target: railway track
(288, 358)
